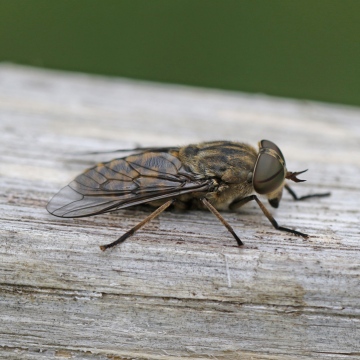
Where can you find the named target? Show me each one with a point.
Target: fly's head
(270, 172)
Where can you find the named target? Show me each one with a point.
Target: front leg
(296, 198)
(236, 204)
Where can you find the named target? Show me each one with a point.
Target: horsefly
(217, 175)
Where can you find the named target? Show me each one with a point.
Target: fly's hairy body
(229, 164)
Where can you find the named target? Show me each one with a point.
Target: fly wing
(125, 182)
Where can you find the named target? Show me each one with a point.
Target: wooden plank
(179, 288)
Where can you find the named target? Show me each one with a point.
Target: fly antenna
(293, 175)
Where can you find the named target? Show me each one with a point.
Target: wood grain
(179, 288)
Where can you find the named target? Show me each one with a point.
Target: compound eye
(270, 145)
(269, 174)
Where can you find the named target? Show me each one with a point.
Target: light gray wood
(180, 287)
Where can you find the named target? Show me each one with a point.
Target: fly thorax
(235, 176)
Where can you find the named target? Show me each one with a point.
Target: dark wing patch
(125, 182)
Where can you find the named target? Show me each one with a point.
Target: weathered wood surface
(179, 288)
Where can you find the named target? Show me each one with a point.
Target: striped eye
(270, 169)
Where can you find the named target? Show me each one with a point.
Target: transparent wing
(125, 182)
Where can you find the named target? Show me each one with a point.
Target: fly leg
(122, 238)
(224, 222)
(235, 205)
(296, 198)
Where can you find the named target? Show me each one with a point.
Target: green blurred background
(307, 49)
